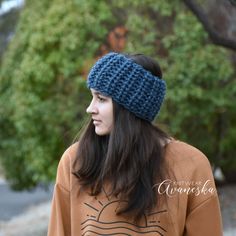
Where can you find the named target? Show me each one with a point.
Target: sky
(8, 5)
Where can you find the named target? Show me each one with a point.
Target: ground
(227, 196)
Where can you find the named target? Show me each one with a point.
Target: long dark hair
(130, 158)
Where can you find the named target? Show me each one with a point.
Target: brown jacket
(191, 209)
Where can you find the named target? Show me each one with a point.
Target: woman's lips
(96, 122)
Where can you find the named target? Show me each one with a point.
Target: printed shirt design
(102, 220)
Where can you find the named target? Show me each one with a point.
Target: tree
(217, 37)
(43, 95)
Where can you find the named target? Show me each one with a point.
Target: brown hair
(130, 158)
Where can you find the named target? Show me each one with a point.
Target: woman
(126, 176)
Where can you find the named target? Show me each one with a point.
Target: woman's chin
(101, 132)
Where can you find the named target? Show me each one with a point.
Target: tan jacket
(192, 206)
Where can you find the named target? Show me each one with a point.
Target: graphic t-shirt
(191, 205)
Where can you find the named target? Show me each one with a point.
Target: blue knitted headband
(129, 84)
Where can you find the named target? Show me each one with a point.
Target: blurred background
(46, 50)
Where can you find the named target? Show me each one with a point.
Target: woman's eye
(101, 99)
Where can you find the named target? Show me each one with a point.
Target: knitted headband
(129, 84)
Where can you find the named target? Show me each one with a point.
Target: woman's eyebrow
(97, 93)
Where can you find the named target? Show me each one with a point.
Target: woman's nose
(91, 108)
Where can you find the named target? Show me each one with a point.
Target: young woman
(126, 176)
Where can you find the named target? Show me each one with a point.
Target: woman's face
(101, 110)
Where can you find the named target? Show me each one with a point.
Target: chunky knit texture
(129, 84)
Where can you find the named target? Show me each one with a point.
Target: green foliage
(200, 89)
(43, 95)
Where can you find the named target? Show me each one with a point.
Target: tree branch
(215, 37)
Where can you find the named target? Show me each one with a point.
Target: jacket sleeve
(203, 215)
(205, 219)
(59, 223)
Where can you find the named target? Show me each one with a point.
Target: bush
(43, 95)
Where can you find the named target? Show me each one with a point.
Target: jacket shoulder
(64, 170)
(182, 153)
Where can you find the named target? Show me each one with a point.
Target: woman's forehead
(95, 92)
